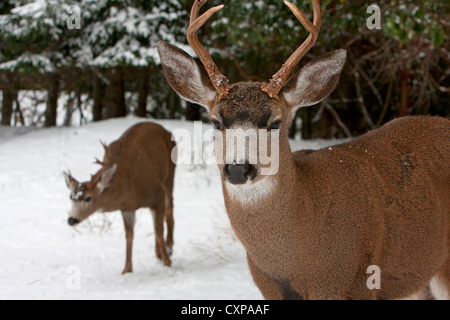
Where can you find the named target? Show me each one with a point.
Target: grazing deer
(313, 229)
(137, 172)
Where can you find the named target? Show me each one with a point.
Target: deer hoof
(127, 269)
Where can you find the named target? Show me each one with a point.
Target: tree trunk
(404, 102)
(173, 104)
(306, 123)
(7, 106)
(116, 95)
(97, 109)
(193, 112)
(141, 110)
(69, 111)
(18, 115)
(293, 128)
(52, 101)
(80, 104)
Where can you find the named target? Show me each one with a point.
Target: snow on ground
(39, 252)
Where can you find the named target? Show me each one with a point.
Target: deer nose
(239, 173)
(73, 221)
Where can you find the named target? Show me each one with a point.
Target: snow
(135, 31)
(40, 62)
(33, 9)
(40, 253)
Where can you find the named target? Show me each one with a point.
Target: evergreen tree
(400, 69)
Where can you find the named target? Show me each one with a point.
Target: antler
(276, 83)
(99, 162)
(219, 81)
(104, 145)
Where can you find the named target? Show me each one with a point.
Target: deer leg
(157, 252)
(268, 287)
(161, 251)
(440, 283)
(170, 223)
(129, 218)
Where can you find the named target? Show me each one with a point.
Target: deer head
(257, 106)
(87, 197)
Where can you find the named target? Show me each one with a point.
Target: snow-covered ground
(41, 257)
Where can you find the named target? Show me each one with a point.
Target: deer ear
(315, 81)
(187, 77)
(106, 177)
(71, 182)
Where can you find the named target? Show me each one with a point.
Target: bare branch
(385, 106)
(330, 108)
(362, 105)
(437, 85)
(243, 73)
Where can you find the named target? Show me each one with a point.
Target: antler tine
(195, 10)
(69, 178)
(99, 162)
(104, 145)
(276, 83)
(219, 81)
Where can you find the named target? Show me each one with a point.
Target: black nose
(73, 221)
(239, 173)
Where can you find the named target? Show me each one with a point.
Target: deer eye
(216, 124)
(88, 199)
(275, 125)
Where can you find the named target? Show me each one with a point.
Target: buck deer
(312, 229)
(137, 172)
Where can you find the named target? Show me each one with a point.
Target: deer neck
(267, 225)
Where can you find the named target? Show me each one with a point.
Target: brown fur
(331, 220)
(382, 199)
(144, 179)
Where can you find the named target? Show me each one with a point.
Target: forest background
(54, 72)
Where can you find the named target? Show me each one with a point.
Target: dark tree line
(109, 67)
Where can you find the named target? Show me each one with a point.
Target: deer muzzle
(239, 173)
(73, 222)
